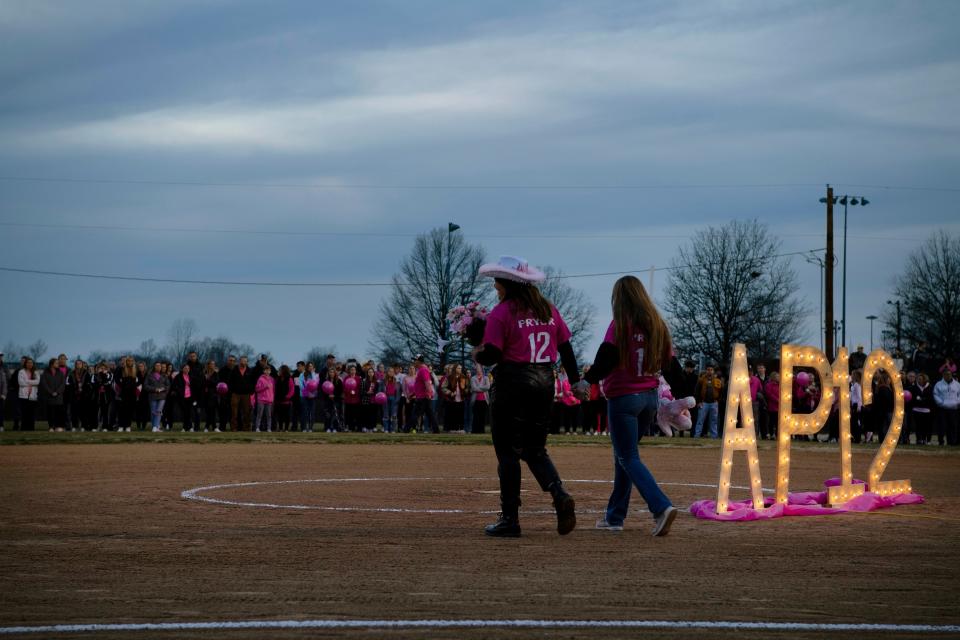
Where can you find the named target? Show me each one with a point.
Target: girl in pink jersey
(634, 350)
(523, 336)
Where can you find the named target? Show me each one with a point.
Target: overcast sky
(707, 111)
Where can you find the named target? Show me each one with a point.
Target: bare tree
(439, 274)
(725, 286)
(181, 336)
(36, 350)
(318, 355)
(929, 293)
(574, 307)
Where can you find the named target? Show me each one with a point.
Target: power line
(461, 187)
(362, 234)
(93, 227)
(412, 187)
(96, 276)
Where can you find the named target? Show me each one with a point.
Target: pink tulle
(807, 503)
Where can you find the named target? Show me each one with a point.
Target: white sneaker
(155, 429)
(205, 430)
(606, 526)
(663, 521)
(217, 430)
(128, 429)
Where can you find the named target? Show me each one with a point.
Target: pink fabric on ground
(807, 503)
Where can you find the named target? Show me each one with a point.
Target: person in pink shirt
(264, 392)
(351, 399)
(423, 394)
(524, 335)
(635, 350)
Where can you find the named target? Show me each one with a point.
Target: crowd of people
(931, 407)
(237, 396)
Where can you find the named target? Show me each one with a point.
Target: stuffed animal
(673, 414)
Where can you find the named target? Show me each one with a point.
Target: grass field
(363, 531)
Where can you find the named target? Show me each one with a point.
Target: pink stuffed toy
(673, 414)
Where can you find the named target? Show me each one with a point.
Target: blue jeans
(629, 416)
(156, 410)
(390, 415)
(307, 408)
(711, 408)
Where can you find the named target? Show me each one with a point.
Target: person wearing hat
(523, 337)
(423, 394)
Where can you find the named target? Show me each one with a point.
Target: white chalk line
(487, 624)
(194, 494)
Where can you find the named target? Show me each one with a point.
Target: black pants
(423, 408)
(126, 412)
(189, 413)
(295, 412)
(212, 404)
(27, 412)
(453, 412)
(351, 416)
(948, 428)
(921, 423)
(224, 411)
(522, 399)
(479, 416)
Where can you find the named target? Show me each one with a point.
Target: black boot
(563, 503)
(507, 526)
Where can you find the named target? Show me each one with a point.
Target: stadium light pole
(871, 318)
(853, 200)
(451, 227)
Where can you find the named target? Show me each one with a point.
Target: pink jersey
(623, 381)
(422, 386)
(523, 338)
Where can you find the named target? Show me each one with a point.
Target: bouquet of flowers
(469, 321)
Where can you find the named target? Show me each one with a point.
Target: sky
(593, 137)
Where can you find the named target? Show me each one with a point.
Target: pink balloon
(328, 387)
(222, 388)
(312, 385)
(380, 398)
(803, 378)
(907, 396)
(350, 384)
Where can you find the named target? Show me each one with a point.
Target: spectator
(920, 360)
(423, 393)
(211, 399)
(856, 405)
(946, 395)
(456, 389)
(28, 386)
(103, 392)
(369, 409)
(264, 388)
(53, 383)
(479, 388)
(857, 359)
(707, 395)
(948, 365)
(332, 403)
(242, 386)
(188, 394)
(351, 399)
(391, 387)
(283, 398)
(143, 403)
(126, 394)
(882, 411)
(922, 402)
(224, 406)
(908, 381)
(13, 389)
(296, 403)
(308, 397)
(156, 386)
(757, 399)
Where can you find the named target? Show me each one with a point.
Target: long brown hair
(527, 298)
(634, 311)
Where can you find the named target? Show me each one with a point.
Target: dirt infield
(101, 534)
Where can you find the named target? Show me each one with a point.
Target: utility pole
(828, 279)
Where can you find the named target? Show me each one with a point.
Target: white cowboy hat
(513, 268)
